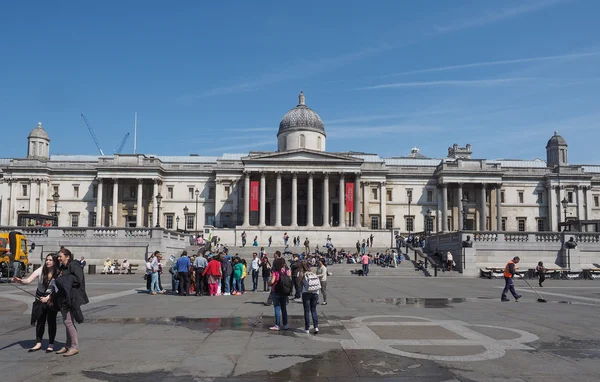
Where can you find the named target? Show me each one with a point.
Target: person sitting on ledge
(107, 265)
(571, 243)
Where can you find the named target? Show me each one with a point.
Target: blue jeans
(509, 286)
(227, 280)
(154, 283)
(365, 269)
(254, 280)
(237, 284)
(310, 301)
(280, 305)
(174, 284)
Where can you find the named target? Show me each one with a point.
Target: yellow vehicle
(14, 253)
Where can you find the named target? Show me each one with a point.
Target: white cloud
(460, 83)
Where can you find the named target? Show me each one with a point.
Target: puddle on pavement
(420, 302)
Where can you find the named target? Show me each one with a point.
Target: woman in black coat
(70, 297)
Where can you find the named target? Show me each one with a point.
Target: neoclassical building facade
(300, 185)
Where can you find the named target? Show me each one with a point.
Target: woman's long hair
(53, 269)
(278, 264)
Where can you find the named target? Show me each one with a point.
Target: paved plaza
(381, 328)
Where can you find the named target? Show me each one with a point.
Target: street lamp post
(185, 214)
(464, 201)
(197, 193)
(158, 200)
(408, 227)
(565, 203)
(55, 199)
(429, 225)
(177, 220)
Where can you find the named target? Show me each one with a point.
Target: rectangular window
(503, 224)
(24, 190)
(540, 197)
(521, 197)
(95, 192)
(570, 196)
(191, 192)
(169, 192)
(521, 223)
(502, 197)
(429, 196)
(92, 222)
(76, 192)
(189, 221)
(373, 194)
(227, 191)
(209, 219)
(410, 223)
(375, 222)
(389, 195)
(211, 193)
(169, 221)
(74, 220)
(596, 201)
(389, 222)
(428, 224)
(409, 196)
(540, 225)
(132, 192)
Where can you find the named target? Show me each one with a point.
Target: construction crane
(118, 151)
(93, 134)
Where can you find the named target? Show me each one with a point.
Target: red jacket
(213, 268)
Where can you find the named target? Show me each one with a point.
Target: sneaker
(226, 294)
(316, 330)
(324, 302)
(274, 327)
(306, 331)
(518, 297)
(504, 299)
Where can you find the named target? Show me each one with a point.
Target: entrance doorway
(335, 214)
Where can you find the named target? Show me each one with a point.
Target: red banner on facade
(254, 190)
(349, 197)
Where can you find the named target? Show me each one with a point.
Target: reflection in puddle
(421, 302)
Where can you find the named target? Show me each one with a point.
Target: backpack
(284, 284)
(311, 282)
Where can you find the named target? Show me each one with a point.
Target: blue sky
(385, 76)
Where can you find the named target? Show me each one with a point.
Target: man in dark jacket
(295, 266)
(227, 271)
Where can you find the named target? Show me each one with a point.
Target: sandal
(35, 348)
(50, 350)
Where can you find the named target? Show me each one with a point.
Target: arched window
(302, 141)
(319, 143)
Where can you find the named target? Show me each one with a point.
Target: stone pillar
(139, 213)
(294, 200)
(326, 200)
(310, 208)
(588, 202)
(444, 207)
(31, 198)
(498, 207)
(246, 199)
(44, 197)
(357, 200)
(12, 207)
(218, 205)
(460, 207)
(482, 209)
(580, 203)
(342, 199)
(278, 201)
(551, 197)
(115, 204)
(263, 185)
(99, 197)
(155, 218)
(382, 203)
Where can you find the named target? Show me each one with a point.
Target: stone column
(218, 205)
(580, 203)
(326, 199)
(294, 200)
(139, 213)
(382, 203)
(155, 218)
(357, 200)
(246, 199)
(99, 196)
(482, 209)
(460, 207)
(263, 184)
(31, 197)
(498, 207)
(342, 199)
(444, 207)
(278, 201)
(588, 202)
(310, 208)
(366, 195)
(551, 198)
(44, 197)
(115, 204)
(12, 207)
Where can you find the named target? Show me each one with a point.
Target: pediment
(308, 156)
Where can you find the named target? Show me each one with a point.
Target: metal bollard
(425, 263)
(435, 270)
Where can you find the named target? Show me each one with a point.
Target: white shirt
(449, 256)
(255, 264)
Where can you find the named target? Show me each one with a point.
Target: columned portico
(139, 216)
(498, 207)
(263, 184)
(309, 202)
(459, 204)
(115, 204)
(444, 207)
(382, 201)
(357, 201)
(155, 217)
(99, 196)
(247, 199)
(482, 209)
(294, 200)
(342, 216)
(326, 199)
(278, 201)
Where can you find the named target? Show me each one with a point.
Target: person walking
(365, 264)
(183, 270)
(244, 236)
(541, 271)
(449, 261)
(270, 240)
(70, 296)
(281, 287)
(285, 239)
(213, 274)
(310, 296)
(200, 265)
(266, 272)
(254, 266)
(43, 310)
(509, 272)
(154, 269)
(226, 271)
(238, 270)
(322, 275)
(307, 246)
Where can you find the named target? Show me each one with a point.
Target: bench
(591, 273)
